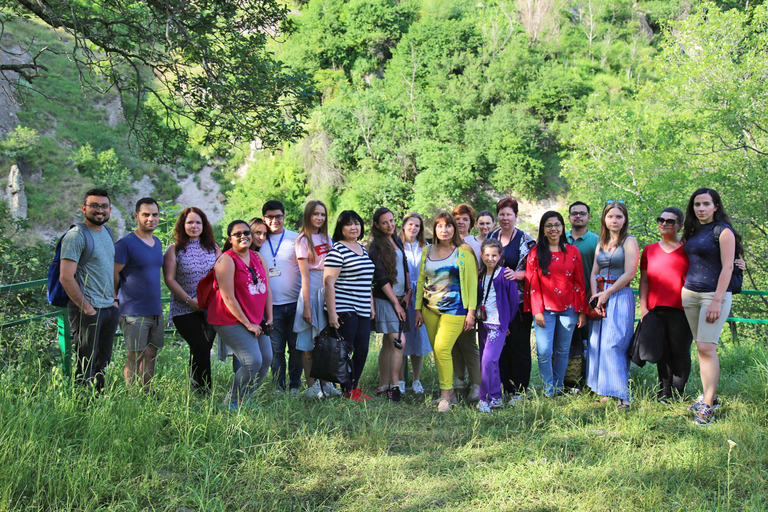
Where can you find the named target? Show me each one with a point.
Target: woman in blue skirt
(613, 271)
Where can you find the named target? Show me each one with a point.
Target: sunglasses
(240, 234)
(668, 222)
(612, 201)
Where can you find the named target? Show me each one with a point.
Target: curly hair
(181, 237)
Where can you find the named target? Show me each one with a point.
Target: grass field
(180, 452)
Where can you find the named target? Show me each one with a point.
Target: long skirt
(607, 358)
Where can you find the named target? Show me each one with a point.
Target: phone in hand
(593, 302)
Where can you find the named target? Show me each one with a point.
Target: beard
(95, 221)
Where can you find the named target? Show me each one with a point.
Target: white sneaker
(417, 387)
(294, 392)
(401, 385)
(484, 406)
(313, 390)
(474, 393)
(330, 389)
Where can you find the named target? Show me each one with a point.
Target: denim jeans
(282, 335)
(553, 343)
(254, 354)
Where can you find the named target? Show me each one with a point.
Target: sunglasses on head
(612, 201)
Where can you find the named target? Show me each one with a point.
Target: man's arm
(72, 287)
(118, 268)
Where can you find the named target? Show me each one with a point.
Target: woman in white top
(416, 340)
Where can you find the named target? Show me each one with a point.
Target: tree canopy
(178, 66)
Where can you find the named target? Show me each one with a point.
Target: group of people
(471, 299)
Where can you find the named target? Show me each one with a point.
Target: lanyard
(488, 289)
(274, 251)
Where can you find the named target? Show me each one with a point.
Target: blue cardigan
(507, 300)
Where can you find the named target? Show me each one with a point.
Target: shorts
(142, 331)
(695, 305)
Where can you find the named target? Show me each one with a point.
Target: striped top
(353, 287)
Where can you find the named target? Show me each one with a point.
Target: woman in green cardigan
(446, 296)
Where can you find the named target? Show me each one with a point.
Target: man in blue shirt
(138, 261)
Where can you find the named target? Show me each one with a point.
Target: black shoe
(393, 393)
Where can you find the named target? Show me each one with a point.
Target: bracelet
(187, 300)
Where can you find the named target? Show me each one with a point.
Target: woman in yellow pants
(446, 296)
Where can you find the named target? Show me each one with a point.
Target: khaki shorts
(695, 305)
(142, 331)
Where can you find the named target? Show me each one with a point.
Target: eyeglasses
(96, 206)
(553, 226)
(668, 222)
(274, 217)
(612, 201)
(240, 234)
(579, 214)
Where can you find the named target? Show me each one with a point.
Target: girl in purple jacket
(497, 304)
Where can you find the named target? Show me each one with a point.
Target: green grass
(176, 451)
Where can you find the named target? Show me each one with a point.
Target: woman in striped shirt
(347, 277)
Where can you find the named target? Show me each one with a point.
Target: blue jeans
(282, 335)
(254, 354)
(553, 343)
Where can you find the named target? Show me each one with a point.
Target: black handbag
(332, 358)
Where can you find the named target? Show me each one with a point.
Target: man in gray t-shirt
(90, 287)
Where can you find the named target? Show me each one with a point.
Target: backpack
(737, 277)
(206, 289)
(57, 296)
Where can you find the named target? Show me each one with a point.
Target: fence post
(65, 342)
(734, 332)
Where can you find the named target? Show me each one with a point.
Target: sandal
(603, 400)
(444, 405)
(623, 404)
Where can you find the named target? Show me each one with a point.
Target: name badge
(274, 272)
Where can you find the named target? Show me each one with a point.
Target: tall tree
(177, 64)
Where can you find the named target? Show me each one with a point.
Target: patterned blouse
(192, 264)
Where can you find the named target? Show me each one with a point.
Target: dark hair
(448, 219)
(383, 246)
(577, 203)
(100, 192)
(507, 202)
(347, 217)
(465, 209)
(605, 234)
(542, 244)
(420, 235)
(692, 224)
(253, 224)
(227, 243)
(272, 205)
(145, 200)
(491, 242)
(182, 238)
(677, 212)
(486, 213)
(309, 210)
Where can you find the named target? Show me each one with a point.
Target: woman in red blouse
(554, 294)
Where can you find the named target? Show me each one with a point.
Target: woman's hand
(643, 312)
(401, 314)
(602, 298)
(407, 298)
(307, 315)
(540, 319)
(469, 322)
(192, 303)
(511, 275)
(333, 320)
(254, 328)
(582, 321)
(713, 311)
(740, 263)
(418, 319)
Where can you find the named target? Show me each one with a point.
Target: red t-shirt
(250, 292)
(561, 288)
(666, 275)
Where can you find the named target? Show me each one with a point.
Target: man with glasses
(138, 261)
(91, 308)
(285, 281)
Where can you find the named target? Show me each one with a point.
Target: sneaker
(483, 406)
(458, 383)
(294, 392)
(381, 390)
(699, 403)
(401, 385)
(393, 394)
(417, 387)
(330, 389)
(705, 416)
(474, 393)
(496, 402)
(357, 395)
(516, 399)
(314, 390)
